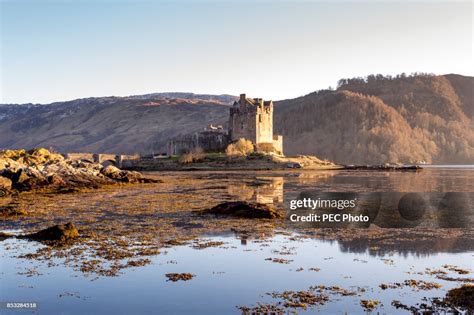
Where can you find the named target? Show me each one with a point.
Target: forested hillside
(384, 119)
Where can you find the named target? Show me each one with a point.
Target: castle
(250, 118)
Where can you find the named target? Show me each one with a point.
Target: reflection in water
(391, 199)
(313, 177)
(428, 208)
(158, 222)
(271, 192)
(159, 208)
(384, 209)
(268, 190)
(455, 210)
(420, 247)
(227, 276)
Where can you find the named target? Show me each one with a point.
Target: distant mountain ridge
(131, 124)
(365, 120)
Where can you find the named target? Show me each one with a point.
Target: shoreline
(277, 168)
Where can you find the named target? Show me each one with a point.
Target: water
(237, 272)
(232, 275)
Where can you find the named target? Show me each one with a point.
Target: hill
(384, 119)
(135, 124)
(375, 119)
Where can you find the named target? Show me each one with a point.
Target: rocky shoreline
(42, 170)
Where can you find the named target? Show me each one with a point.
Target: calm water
(236, 273)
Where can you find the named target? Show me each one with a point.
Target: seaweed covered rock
(462, 297)
(34, 157)
(41, 169)
(59, 233)
(179, 276)
(5, 183)
(5, 186)
(25, 179)
(111, 172)
(117, 174)
(244, 209)
(4, 236)
(369, 305)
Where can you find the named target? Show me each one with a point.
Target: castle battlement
(257, 102)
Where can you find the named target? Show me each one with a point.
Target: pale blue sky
(61, 50)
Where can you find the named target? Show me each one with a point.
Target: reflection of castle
(270, 193)
(269, 190)
(250, 118)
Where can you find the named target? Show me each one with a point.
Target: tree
(241, 147)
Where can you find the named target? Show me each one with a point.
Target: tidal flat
(145, 248)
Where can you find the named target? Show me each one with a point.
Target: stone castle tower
(252, 119)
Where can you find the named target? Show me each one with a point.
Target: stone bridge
(119, 160)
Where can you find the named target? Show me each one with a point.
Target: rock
(56, 180)
(4, 236)
(33, 157)
(179, 276)
(42, 156)
(17, 177)
(3, 192)
(26, 179)
(121, 176)
(61, 233)
(117, 174)
(75, 175)
(136, 177)
(245, 209)
(13, 154)
(5, 183)
(369, 305)
(111, 172)
(40, 169)
(21, 177)
(3, 164)
(462, 297)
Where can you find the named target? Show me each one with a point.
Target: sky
(62, 50)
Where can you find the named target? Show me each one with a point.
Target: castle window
(259, 118)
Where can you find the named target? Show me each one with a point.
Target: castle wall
(251, 119)
(242, 123)
(209, 141)
(264, 121)
(181, 145)
(278, 143)
(212, 141)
